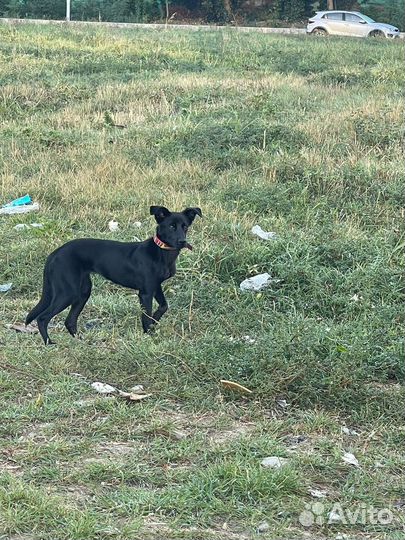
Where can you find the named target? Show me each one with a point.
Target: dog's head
(172, 226)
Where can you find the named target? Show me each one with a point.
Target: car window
(334, 16)
(352, 18)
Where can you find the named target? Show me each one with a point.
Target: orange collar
(161, 244)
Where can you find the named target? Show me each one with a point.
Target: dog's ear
(160, 213)
(190, 213)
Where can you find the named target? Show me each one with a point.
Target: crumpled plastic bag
(258, 231)
(256, 283)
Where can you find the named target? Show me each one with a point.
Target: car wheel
(319, 32)
(377, 33)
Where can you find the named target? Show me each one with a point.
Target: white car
(349, 23)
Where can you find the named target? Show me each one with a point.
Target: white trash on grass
(256, 283)
(20, 209)
(137, 389)
(274, 462)
(348, 431)
(106, 389)
(23, 328)
(23, 226)
(263, 527)
(113, 225)
(264, 235)
(103, 388)
(282, 403)
(317, 493)
(350, 459)
(5, 287)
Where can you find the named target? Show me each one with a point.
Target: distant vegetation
(270, 12)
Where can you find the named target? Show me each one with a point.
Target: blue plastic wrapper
(26, 199)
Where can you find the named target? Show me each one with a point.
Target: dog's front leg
(161, 300)
(146, 300)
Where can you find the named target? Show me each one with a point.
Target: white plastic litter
(20, 209)
(274, 462)
(356, 298)
(138, 388)
(22, 226)
(317, 493)
(113, 225)
(5, 287)
(256, 283)
(350, 459)
(258, 231)
(103, 388)
(106, 389)
(282, 403)
(137, 224)
(348, 431)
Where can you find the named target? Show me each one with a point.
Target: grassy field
(299, 135)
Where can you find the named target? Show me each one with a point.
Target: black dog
(138, 265)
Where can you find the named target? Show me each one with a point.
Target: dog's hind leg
(57, 305)
(78, 305)
(45, 299)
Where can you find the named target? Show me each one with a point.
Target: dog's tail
(45, 298)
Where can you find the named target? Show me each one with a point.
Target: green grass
(300, 135)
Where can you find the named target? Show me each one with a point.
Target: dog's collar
(162, 244)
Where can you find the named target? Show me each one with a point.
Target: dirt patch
(11, 468)
(113, 450)
(156, 528)
(180, 424)
(37, 432)
(22, 537)
(77, 494)
(237, 431)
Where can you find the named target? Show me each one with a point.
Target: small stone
(294, 440)
(92, 323)
(263, 527)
